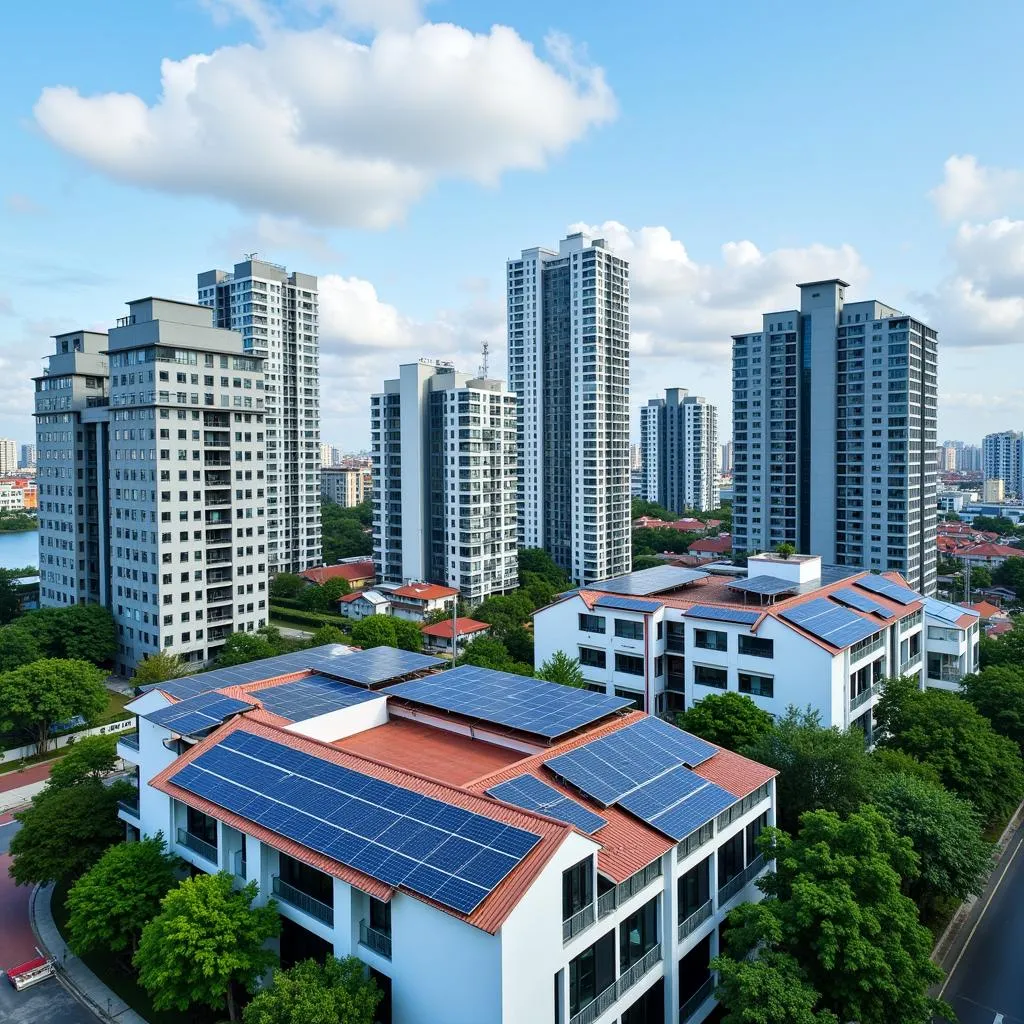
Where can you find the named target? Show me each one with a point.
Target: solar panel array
(947, 612)
(651, 581)
(678, 802)
(502, 698)
(849, 596)
(377, 665)
(530, 792)
(311, 696)
(887, 588)
(837, 626)
(394, 835)
(629, 604)
(197, 714)
(708, 611)
(765, 586)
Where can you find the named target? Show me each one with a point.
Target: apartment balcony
(128, 746)
(129, 808)
(740, 881)
(221, 615)
(618, 988)
(373, 938)
(697, 1000)
(192, 842)
(691, 923)
(572, 926)
(864, 696)
(303, 901)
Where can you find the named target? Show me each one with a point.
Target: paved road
(986, 983)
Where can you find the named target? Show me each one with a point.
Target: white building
(444, 480)
(361, 604)
(679, 449)
(790, 632)
(277, 314)
(568, 357)
(834, 434)
(345, 486)
(8, 456)
(151, 480)
(329, 455)
(1002, 458)
(465, 860)
(12, 497)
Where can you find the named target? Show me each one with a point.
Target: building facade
(28, 457)
(547, 907)
(679, 448)
(345, 487)
(152, 490)
(8, 456)
(444, 480)
(568, 344)
(834, 434)
(277, 314)
(1002, 458)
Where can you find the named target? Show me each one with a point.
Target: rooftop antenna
(486, 349)
(250, 255)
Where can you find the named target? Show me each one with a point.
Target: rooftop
(351, 571)
(443, 629)
(424, 591)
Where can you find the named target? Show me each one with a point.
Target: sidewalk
(18, 788)
(107, 1005)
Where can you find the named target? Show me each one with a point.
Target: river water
(18, 549)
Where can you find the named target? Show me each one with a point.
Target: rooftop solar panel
(378, 665)
(836, 625)
(517, 702)
(530, 792)
(765, 585)
(849, 596)
(707, 611)
(629, 604)
(947, 612)
(311, 696)
(395, 835)
(677, 802)
(887, 588)
(655, 580)
(198, 713)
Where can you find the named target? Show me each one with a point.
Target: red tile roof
(986, 609)
(354, 572)
(993, 551)
(424, 591)
(719, 545)
(998, 628)
(443, 629)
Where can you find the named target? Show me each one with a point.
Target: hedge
(312, 619)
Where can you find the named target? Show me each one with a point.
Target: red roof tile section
(443, 629)
(354, 572)
(424, 591)
(712, 545)
(986, 609)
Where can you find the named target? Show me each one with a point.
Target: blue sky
(403, 152)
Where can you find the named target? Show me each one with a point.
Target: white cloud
(378, 14)
(312, 125)
(970, 189)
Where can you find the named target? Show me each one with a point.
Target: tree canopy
(324, 596)
(1007, 649)
(729, 719)
(327, 635)
(79, 631)
(159, 668)
(336, 992)
(346, 531)
(45, 693)
(10, 599)
(240, 648)
(489, 652)
(88, 759)
(287, 585)
(998, 694)
(560, 668)
(111, 903)
(768, 989)
(1011, 574)
(387, 631)
(207, 938)
(17, 647)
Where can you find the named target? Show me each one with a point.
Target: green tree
(408, 635)
(980, 577)
(560, 668)
(646, 562)
(998, 694)
(785, 550)
(1007, 649)
(375, 631)
(518, 642)
(537, 562)
(769, 989)
(17, 647)
(10, 598)
(324, 597)
(346, 531)
(38, 696)
(947, 833)
(835, 908)
(1011, 574)
(207, 939)
(287, 585)
(81, 631)
(487, 652)
(818, 767)
(729, 719)
(66, 830)
(240, 648)
(327, 635)
(335, 992)
(88, 759)
(159, 668)
(112, 902)
(945, 731)
(640, 509)
(885, 759)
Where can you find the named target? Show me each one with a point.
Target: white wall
(335, 725)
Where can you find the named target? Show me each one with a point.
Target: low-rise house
(438, 637)
(989, 555)
(415, 601)
(358, 574)
(361, 604)
(711, 549)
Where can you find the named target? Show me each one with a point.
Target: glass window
(591, 973)
(730, 859)
(756, 686)
(592, 623)
(708, 675)
(629, 664)
(754, 829)
(593, 658)
(577, 887)
(756, 647)
(629, 630)
(694, 888)
(711, 639)
(638, 935)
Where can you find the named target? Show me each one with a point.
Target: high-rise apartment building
(1002, 458)
(444, 480)
(726, 460)
(151, 480)
(679, 448)
(8, 456)
(568, 352)
(834, 428)
(329, 455)
(28, 457)
(345, 486)
(277, 314)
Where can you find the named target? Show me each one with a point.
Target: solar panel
(378, 665)
(198, 713)
(849, 596)
(395, 835)
(311, 696)
(609, 768)
(707, 611)
(518, 702)
(530, 792)
(765, 585)
(887, 588)
(947, 612)
(837, 626)
(655, 580)
(677, 802)
(629, 604)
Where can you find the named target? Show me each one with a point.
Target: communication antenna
(250, 255)
(486, 349)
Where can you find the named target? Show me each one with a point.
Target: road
(985, 984)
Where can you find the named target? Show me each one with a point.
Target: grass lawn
(120, 981)
(115, 708)
(24, 762)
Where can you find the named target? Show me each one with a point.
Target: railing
(372, 938)
(607, 902)
(129, 739)
(200, 846)
(306, 903)
(596, 1006)
(238, 863)
(694, 841)
(574, 925)
(947, 674)
(129, 807)
(638, 880)
(865, 695)
(617, 988)
(911, 661)
(694, 921)
(697, 1000)
(738, 809)
(865, 647)
(737, 882)
(676, 644)
(638, 970)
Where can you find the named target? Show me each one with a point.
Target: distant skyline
(380, 145)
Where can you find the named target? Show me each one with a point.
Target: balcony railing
(197, 845)
(238, 863)
(690, 924)
(129, 739)
(865, 695)
(697, 1000)
(694, 841)
(737, 882)
(129, 807)
(373, 938)
(574, 925)
(638, 970)
(607, 902)
(911, 662)
(303, 901)
(947, 674)
(617, 988)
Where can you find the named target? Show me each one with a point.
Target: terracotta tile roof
(735, 773)
(993, 551)
(719, 545)
(424, 591)
(986, 609)
(352, 571)
(998, 628)
(443, 629)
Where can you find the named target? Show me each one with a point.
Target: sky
(403, 150)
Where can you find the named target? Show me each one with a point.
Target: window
(708, 675)
(593, 658)
(380, 916)
(201, 825)
(694, 889)
(638, 934)
(629, 630)
(756, 686)
(577, 887)
(756, 647)
(754, 829)
(592, 623)
(591, 973)
(730, 859)
(629, 664)
(711, 639)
